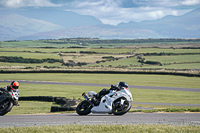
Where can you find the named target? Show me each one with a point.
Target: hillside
(14, 25)
(47, 24)
(98, 31)
(185, 26)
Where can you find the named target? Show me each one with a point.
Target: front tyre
(84, 108)
(121, 106)
(5, 107)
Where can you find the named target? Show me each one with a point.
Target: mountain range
(50, 24)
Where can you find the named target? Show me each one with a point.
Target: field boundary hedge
(153, 71)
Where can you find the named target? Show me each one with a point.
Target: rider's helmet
(14, 85)
(122, 84)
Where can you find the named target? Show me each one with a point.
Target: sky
(111, 11)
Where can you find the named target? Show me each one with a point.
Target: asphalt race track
(94, 119)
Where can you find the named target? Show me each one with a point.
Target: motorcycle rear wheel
(6, 108)
(84, 108)
(121, 109)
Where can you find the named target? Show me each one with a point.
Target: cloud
(191, 2)
(113, 11)
(27, 3)
(116, 11)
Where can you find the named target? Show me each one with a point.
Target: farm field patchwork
(83, 53)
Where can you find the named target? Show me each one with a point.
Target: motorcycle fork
(87, 99)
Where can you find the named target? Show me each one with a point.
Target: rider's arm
(3, 89)
(113, 87)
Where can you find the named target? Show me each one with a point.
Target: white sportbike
(117, 102)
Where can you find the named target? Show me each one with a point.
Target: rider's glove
(3, 89)
(114, 87)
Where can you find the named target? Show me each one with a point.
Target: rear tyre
(121, 108)
(5, 107)
(84, 108)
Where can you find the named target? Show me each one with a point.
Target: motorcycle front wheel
(5, 107)
(84, 108)
(121, 106)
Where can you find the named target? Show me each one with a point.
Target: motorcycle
(7, 101)
(117, 102)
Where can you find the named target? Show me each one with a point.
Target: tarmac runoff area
(108, 85)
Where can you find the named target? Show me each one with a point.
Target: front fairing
(15, 95)
(128, 92)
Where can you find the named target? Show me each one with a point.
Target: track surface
(129, 118)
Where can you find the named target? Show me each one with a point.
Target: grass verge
(31, 107)
(105, 129)
(169, 110)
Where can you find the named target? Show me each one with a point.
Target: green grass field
(131, 79)
(105, 129)
(35, 44)
(176, 59)
(31, 107)
(166, 50)
(36, 66)
(31, 55)
(46, 50)
(112, 50)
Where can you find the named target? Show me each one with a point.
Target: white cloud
(27, 3)
(113, 11)
(87, 3)
(110, 12)
(191, 2)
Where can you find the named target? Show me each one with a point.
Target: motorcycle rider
(121, 85)
(14, 85)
